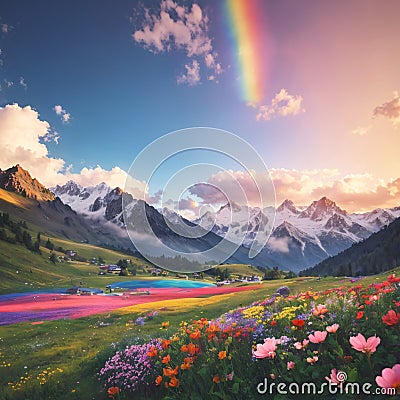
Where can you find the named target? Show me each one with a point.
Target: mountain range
(379, 253)
(302, 236)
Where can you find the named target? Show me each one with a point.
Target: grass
(80, 347)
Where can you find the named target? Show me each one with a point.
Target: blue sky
(340, 61)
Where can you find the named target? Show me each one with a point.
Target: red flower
(391, 318)
(299, 323)
(273, 323)
(112, 391)
(360, 314)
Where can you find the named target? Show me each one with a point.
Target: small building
(71, 253)
(114, 269)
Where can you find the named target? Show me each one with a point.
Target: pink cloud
(282, 105)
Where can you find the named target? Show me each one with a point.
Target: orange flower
(216, 379)
(166, 359)
(165, 344)
(185, 366)
(158, 380)
(165, 325)
(191, 349)
(170, 372)
(188, 360)
(174, 382)
(153, 352)
(195, 334)
(222, 355)
(184, 348)
(320, 310)
(112, 391)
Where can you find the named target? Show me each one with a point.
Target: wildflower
(368, 346)
(266, 350)
(289, 365)
(165, 325)
(153, 352)
(216, 378)
(186, 365)
(174, 382)
(334, 378)
(391, 318)
(112, 391)
(273, 323)
(166, 359)
(333, 328)
(298, 323)
(312, 360)
(359, 315)
(390, 378)
(317, 337)
(170, 372)
(320, 310)
(195, 334)
(158, 380)
(301, 345)
(222, 355)
(165, 344)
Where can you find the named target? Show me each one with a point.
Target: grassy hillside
(22, 269)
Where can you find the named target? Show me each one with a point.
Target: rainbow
(249, 36)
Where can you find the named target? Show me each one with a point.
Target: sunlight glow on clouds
(192, 76)
(282, 105)
(180, 28)
(390, 109)
(354, 192)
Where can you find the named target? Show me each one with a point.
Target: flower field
(330, 337)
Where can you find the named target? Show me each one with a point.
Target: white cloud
(282, 105)
(280, 245)
(182, 28)
(65, 117)
(23, 141)
(390, 109)
(20, 141)
(23, 83)
(192, 76)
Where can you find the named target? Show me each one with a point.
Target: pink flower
(290, 365)
(266, 350)
(333, 378)
(390, 378)
(366, 346)
(333, 328)
(312, 360)
(301, 345)
(317, 337)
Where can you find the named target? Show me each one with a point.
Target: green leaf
(235, 388)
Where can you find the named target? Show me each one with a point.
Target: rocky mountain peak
(288, 205)
(16, 179)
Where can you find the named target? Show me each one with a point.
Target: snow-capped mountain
(94, 202)
(301, 236)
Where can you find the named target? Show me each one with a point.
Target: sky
(312, 86)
